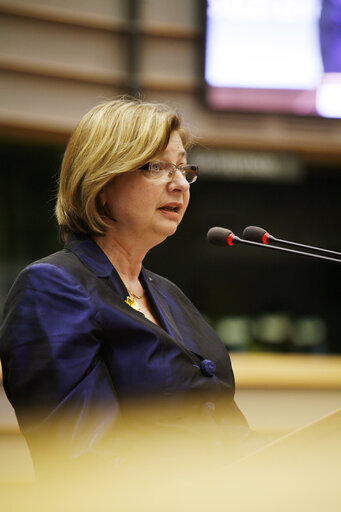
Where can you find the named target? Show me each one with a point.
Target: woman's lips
(171, 210)
(171, 207)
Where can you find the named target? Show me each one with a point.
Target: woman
(87, 331)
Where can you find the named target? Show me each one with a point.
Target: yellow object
(132, 303)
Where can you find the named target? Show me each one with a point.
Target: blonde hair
(112, 138)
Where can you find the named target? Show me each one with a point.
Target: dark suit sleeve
(53, 371)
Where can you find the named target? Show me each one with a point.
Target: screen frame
(248, 111)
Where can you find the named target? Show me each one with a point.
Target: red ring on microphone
(230, 239)
(265, 238)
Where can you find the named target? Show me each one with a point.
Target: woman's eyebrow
(182, 153)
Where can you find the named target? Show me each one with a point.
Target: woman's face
(142, 207)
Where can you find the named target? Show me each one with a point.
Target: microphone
(257, 234)
(225, 237)
(220, 236)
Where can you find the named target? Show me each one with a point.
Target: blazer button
(207, 368)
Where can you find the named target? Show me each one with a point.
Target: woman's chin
(164, 232)
(170, 229)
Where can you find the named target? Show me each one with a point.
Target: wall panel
(78, 43)
(44, 103)
(52, 44)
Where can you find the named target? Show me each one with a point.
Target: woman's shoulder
(62, 259)
(61, 268)
(44, 290)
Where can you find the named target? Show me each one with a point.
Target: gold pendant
(132, 303)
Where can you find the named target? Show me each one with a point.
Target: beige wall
(58, 58)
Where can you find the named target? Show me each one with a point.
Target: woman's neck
(126, 258)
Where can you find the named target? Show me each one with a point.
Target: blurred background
(280, 170)
(260, 90)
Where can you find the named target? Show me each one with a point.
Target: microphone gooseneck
(260, 235)
(224, 237)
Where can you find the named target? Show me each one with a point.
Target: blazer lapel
(160, 304)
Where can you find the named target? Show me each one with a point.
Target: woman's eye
(155, 167)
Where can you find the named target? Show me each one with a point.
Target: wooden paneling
(58, 59)
(102, 14)
(48, 45)
(177, 14)
(164, 59)
(51, 104)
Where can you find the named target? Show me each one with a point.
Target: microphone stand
(237, 240)
(255, 234)
(225, 237)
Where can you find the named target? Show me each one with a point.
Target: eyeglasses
(159, 169)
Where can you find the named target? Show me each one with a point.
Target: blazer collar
(94, 258)
(90, 254)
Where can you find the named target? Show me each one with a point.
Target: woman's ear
(102, 203)
(102, 197)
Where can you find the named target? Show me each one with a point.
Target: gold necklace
(135, 296)
(130, 300)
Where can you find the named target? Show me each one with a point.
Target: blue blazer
(71, 345)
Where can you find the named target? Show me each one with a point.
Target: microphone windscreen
(218, 236)
(254, 234)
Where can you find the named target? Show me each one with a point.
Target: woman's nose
(179, 181)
